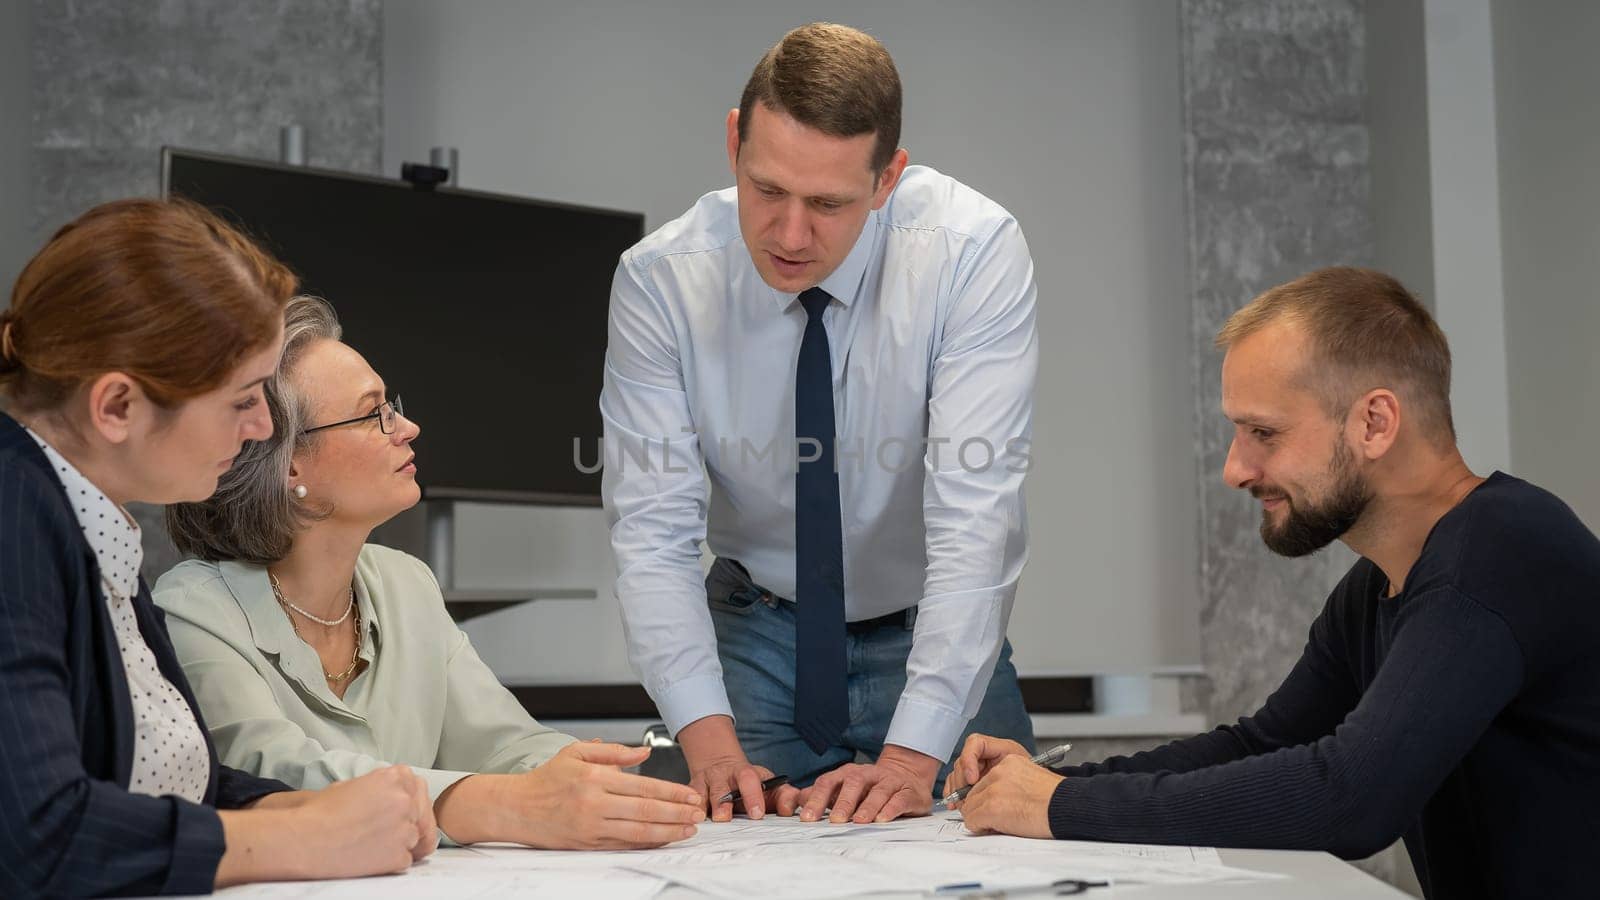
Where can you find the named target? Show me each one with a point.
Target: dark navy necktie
(821, 705)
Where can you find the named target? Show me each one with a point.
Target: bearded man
(1450, 690)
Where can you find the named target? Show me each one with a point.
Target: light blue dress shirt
(935, 354)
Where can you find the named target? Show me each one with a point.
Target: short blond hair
(1366, 331)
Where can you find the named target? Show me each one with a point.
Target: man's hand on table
(717, 765)
(900, 783)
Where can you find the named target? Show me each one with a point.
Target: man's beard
(1305, 531)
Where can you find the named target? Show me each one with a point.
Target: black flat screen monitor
(486, 313)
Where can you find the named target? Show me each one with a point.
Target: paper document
(778, 859)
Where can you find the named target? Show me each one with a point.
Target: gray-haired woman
(317, 657)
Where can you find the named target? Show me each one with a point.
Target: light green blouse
(425, 698)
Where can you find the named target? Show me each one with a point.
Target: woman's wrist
(261, 845)
(474, 810)
(279, 800)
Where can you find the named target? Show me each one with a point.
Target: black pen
(769, 784)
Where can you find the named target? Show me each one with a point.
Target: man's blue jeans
(755, 641)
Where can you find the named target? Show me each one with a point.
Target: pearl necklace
(355, 652)
(277, 592)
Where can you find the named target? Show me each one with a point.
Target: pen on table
(1050, 758)
(769, 784)
(976, 891)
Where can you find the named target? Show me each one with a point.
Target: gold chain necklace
(355, 652)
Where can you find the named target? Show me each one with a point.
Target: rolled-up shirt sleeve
(980, 412)
(655, 494)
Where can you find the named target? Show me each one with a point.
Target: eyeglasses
(387, 414)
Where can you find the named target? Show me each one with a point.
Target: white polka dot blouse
(169, 752)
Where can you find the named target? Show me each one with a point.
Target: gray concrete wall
(1276, 158)
(1278, 182)
(114, 81)
(15, 168)
(110, 83)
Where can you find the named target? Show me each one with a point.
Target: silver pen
(1052, 757)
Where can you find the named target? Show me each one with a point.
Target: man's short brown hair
(833, 78)
(1366, 331)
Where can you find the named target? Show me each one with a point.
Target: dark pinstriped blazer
(68, 825)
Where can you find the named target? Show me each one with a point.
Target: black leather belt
(730, 574)
(902, 618)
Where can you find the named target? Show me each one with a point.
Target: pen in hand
(1049, 759)
(769, 784)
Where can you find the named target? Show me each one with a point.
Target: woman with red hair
(131, 363)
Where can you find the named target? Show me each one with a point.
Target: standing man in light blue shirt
(826, 373)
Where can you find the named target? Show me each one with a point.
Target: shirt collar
(269, 624)
(272, 632)
(112, 534)
(844, 283)
(269, 627)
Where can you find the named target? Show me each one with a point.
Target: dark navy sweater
(1462, 714)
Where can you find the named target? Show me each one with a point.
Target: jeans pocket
(730, 590)
(738, 603)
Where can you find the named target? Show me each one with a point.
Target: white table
(1312, 876)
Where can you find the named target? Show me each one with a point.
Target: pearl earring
(300, 491)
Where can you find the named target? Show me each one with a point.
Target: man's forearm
(707, 738)
(1183, 755)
